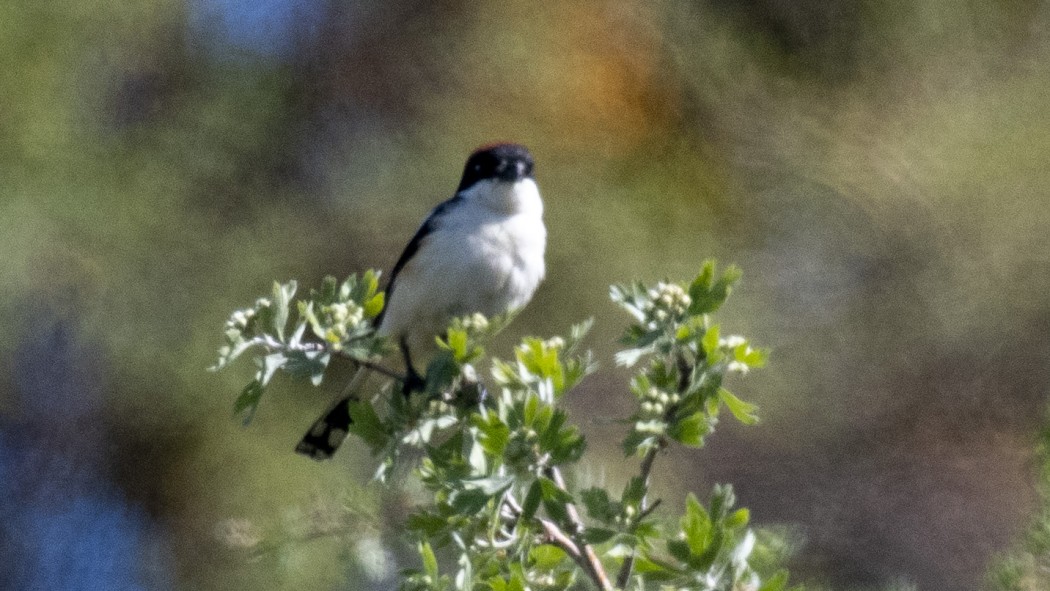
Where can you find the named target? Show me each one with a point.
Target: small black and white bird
(480, 251)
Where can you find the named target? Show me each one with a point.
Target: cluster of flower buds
(341, 317)
(523, 448)
(666, 300)
(554, 343)
(239, 321)
(655, 402)
(732, 343)
(475, 323)
(437, 406)
(626, 517)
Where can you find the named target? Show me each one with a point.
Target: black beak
(512, 171)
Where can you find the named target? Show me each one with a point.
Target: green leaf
(532, 501)
(493, 434)
(679, 549)
(775, 583)
(477, 492)
(297, 336)
(374, 305)
(722, 498)
(366, 424)
(430, 563)
(653, 569)
(738, 518)
(634, 492)
(441, 371)
(696, 525)
(708, 294)
(627, 298)
(427, 523)
(329, 290)
(598, 504)
(569, 446)
(638, 442)
(630, 357)
(705, 278)
(270, 364)
(456, 342)
(549, 427)
(690, 430)
(490, 485)
(531, 407)
(469, 501)
(478, 459)
(543, 419)
(710, 341)
(577, 333)
(743, 411)
(555, 500)
(517, 582)
(311, 364)
(755, 358)
(282, 298)
(597, 535)
(552, 492)
(547, 556)
(369, 284)
(249, 400)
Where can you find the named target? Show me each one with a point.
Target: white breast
(485, 254)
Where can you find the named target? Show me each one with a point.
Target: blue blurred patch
(63, 524)
(268, 28)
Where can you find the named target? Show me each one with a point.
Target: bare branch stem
(379, 369)
(554, 535)
(684, 372)
(593, 566)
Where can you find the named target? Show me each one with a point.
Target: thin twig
(684, 374)
(275, 345)
(647, 467)
(594, 566)
(648, 511)
(554, 534)
(379, 369)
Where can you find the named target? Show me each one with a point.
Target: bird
(481, 251)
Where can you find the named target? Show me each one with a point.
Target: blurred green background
(881, 171)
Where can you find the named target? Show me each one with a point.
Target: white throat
(507, 198)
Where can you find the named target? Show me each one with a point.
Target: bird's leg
(413, 381)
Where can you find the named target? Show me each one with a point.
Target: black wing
(429, 225)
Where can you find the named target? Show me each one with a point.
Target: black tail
(327, 433)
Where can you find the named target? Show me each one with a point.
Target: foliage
(491, 456)
(339, 316)
(1025, 567)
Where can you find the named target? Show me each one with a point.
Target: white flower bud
(738, 367)
(469, 373)
(732, 341)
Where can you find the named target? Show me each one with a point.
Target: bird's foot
(413, 382)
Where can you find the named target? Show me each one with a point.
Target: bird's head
(497, 163)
